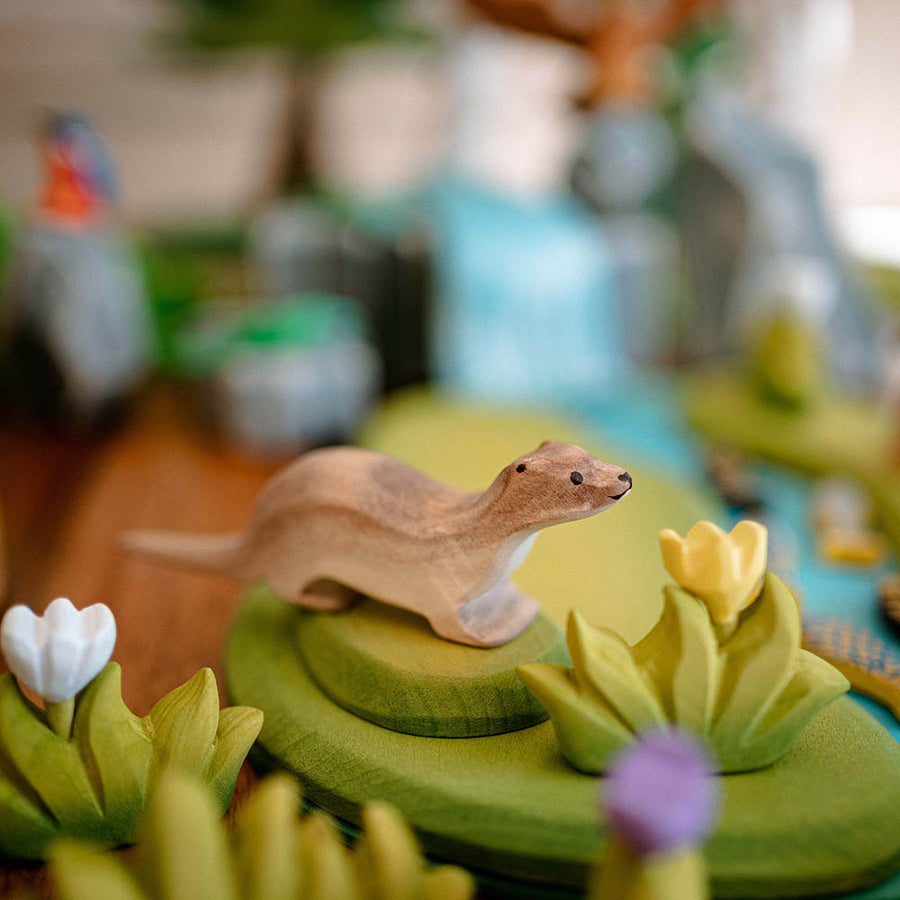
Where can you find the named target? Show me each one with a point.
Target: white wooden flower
(58, 653)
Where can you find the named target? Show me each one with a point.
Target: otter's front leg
(488, 620)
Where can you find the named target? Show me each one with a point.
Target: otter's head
(561, 482)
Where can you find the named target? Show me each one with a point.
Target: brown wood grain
(64, 504)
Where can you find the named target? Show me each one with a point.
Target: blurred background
(280, 211)
(304, 204)
(232, 230)
(668, 230)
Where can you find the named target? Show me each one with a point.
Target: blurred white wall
(195, 141)
(382, 119)
(188, 140)
(861, 133)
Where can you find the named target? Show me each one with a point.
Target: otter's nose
(626, 478)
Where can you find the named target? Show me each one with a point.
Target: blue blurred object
(628, 153)
(527, 306)
(629, 156)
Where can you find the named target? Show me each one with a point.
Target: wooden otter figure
(376, 526)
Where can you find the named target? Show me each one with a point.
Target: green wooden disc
(824, 818)
(386, 665)
(838, 435)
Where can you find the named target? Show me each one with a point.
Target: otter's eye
(576, 477)
(520, 467)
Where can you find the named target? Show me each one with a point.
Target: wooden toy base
(839, 436)
(824, 819)
(385, 665)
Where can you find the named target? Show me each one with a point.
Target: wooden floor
(64, 503)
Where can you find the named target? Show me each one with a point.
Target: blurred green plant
(748, 688)
(787, 363)
(95, 783)
(184, 852)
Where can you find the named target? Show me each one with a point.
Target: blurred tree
(306, 32)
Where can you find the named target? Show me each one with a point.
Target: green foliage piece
(787, 363)
(326, 864)
(625, 875)
(681, 656)
(238, 729)
(183, 850)
(389, 864)
(387, 854)
(266, 842)
(116, 749)
(84, 872)
(44, 767)
(184, 725)
(272, 854)
(95, 784)
(601, 657)
(750, 694)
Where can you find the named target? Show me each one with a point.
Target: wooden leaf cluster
(95, 784)
(750, 696)
(186, 854)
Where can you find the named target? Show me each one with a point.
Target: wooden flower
(724, 570)
(58, 653)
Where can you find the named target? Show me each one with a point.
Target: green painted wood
(609, 566)
(838, 435)
(386, 665)
(824, 818)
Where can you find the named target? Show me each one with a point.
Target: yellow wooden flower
(725, 571)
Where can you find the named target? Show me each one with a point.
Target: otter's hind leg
(326, 596)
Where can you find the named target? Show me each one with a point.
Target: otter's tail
(218, 553)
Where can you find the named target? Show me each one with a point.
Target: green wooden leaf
(267, 836)
(604, 664)
(82, 872)
(238, 728)
(327, 866)
(757, 664)
(750, 696)
(588, 733)
(95, 784)
(680, 656)
(626, 875)
(116, 751)
(26, 828)
(183, 726)
(815, 684)
(184, 852)
(46, 766)
(448, 883)
(388, 861)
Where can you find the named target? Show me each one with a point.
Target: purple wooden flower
(658, 793)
